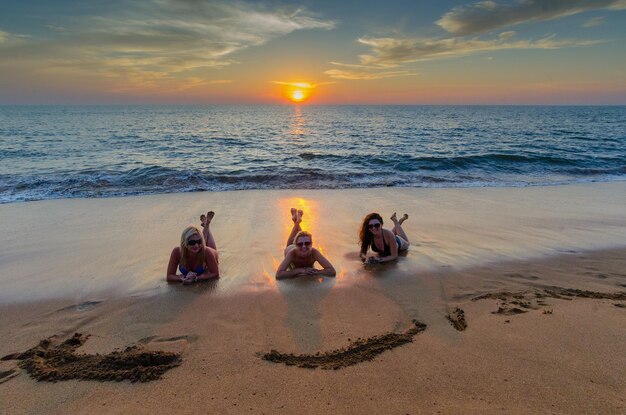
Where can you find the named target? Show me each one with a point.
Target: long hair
(184, 250)
(365, 236)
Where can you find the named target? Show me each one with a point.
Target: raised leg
(397, 226)
(206, 229)
(296, 216)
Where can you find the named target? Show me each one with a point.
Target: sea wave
(105, 151)
(158, 180)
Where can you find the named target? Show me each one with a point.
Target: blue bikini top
(199, 270)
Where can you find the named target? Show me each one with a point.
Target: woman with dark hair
(386, 243)
(300, 256)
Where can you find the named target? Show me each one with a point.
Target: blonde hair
(300, 235)
(184, 251)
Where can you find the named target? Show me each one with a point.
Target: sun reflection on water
(298, 124)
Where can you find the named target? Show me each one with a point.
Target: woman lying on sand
(195, 258)
(384, 242)
(300, 256)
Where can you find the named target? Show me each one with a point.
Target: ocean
(52, 152)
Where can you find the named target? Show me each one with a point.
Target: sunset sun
(298, 96)
(296, 92)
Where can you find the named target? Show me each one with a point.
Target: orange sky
(396, 52)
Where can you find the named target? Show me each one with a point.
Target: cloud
(593, 22)
(307, 86)
(391, 52)
(154, 41)
(489, 15)
(303, 85)
(365, 75)
(11, 39)
(364, 72)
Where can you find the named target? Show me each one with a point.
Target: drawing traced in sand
(61, 362)
(356, 352)
(521, 302)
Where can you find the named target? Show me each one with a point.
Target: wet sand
(54, 362)
(554, 254)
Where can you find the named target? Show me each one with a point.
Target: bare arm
(170, 274)
(374, 258)
(363, 253)
(327, 267)
(283, 272)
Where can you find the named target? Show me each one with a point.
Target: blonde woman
(300, 256)
(194, 259)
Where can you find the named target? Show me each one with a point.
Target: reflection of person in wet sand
(196, 257)
(384, 242)
(300, 256)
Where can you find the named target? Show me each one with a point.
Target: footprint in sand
(156, 339)
(84, 306)
(176, 344)
(524, 277)
(8, 374)
(457, 319)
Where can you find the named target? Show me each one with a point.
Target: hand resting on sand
(189, 278)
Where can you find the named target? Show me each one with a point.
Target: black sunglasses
(193, 242)
(373, 225)
(301, 244)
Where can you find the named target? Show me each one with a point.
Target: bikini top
(387, 250)
(199, 270)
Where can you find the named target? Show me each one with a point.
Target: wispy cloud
(390, 52)
(365, 75)
(365, 71)
(593, 22)
(465, 23)
(301, 85)
(154, 42)
(11, 39)
(484, 16)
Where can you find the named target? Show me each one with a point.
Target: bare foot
(294, 214)
(209, 218)
(203, 220)
(394, 218)
(300, 214)
(403, 218)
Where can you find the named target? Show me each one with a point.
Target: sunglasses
(301, 244)
(193, 242)
(374, 225)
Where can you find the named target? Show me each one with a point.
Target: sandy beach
(521, 291)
